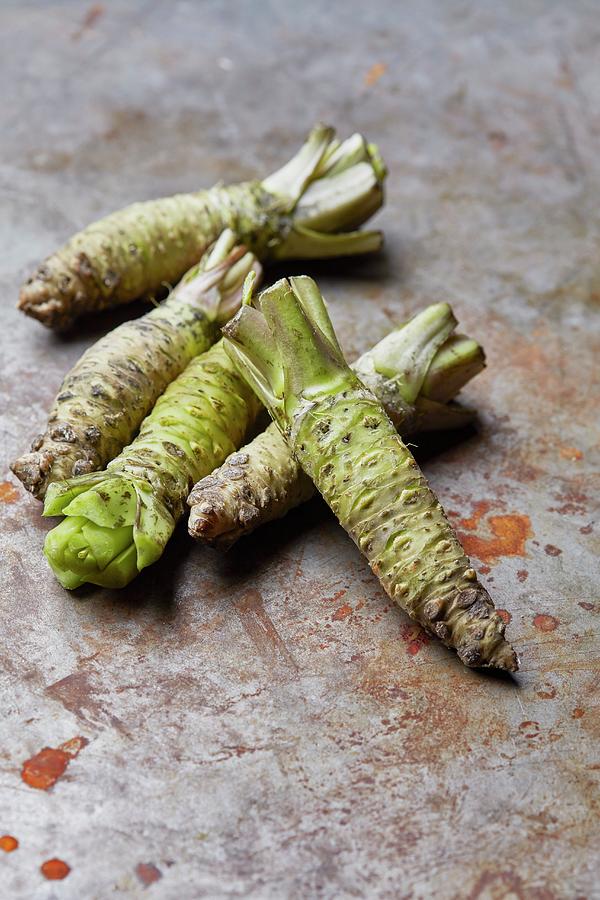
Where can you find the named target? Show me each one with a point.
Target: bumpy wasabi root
(345, 442)
(263, 481)
(116, 382)
(118, 521)
(307, 209)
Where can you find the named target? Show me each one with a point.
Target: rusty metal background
(266, 725)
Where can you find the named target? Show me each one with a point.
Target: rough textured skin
(201, 418)
(337, 429)
(370, 480)
(105, 396)
(138, 250)
(263, 481)
(254, 485)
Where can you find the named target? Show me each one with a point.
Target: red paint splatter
(342, 613)
(414, 637)
(548, 694)
(509, 534)
(148, 873)
(8, 492)
(587, 606)
(8, 843)
(485, 570)
(571, 453)
(530, 729)
(522, 575)
(586, 529)
(337, 596)
(545, 623)
(55, 869)
(551, 550)
(44, 769)
(577, 713)
(573, 501)
(504, 615)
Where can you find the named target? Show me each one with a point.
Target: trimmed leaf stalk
(263, 481)
(310, 208)
(341, 436)
(105, 396)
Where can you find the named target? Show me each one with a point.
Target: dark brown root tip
(32, 469)
(202, 523)
(504, 657)
(36, 301)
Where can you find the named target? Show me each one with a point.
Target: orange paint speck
(545, 623)
(504, 615)
(148, 873)
(522, 575)
(509, 534)
(414, 637)
(337, 596)
(375, 73)
(571, 453)
(551, 550)
(55, 869)
(342, 613)
(8, 843)
(480, 508)
(44, 769)
(577, 713)
(8, 492)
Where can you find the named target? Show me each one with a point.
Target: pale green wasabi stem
(119, 521)
(105, 396)
(263, 481)
(307, 209)
(343, 439)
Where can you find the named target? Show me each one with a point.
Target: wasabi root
(341, 436)
(118, 521)
(104, 398)
(263, 481)
(307, 209)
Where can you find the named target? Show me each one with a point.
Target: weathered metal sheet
(266, 725)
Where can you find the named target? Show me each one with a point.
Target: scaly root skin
(125, 515)
(369, 478)
(343, 439)
(106, 395)
(259, 483)
(308, 208)
(263, 481)
(138, 251)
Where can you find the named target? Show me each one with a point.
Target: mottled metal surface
(266, 725)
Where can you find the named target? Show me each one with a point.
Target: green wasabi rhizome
(311, 208)
(118, 521)
(263, 481)
(285, 346)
